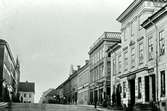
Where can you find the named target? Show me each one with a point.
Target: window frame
(150, 48)
(141, 52)
(125, 59)
(161, 42)
(133, 56)
(139, 88)
(163, 89)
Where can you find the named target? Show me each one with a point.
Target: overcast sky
(50, 35)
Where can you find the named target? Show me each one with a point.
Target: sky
(50, 35)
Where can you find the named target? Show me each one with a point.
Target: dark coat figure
(113, 98)
(95, 101)
(118, 95)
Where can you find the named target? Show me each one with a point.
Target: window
(150, 48)
(162, 83)
(24, 95)
(119, 64)
(125, 59)
(29, 95)
(124, 34)
(100, 54)
(114, 66)
(139, 87)
(109, 68)
(132, 56)
(133, 27)
(161, 43)
(102, 70)
(124, 89)
(141, 53)
(91, 76)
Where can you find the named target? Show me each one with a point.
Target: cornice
(130, 8)
(102, 41)
(155, 17)
(133, 72)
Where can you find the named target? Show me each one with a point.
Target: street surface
(51, 107)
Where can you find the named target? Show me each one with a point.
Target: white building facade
(156, 31)
(137, 79)
(100, 69)
(83, 84)
(27, 97)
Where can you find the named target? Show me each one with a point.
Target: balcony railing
(112, 35)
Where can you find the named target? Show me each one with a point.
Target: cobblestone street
(52, 107)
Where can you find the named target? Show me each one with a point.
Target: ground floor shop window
(91, 97)
(139, 88)
(162, 83)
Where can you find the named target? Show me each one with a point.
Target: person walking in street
(95, 101)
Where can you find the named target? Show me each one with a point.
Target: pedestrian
(95, 101)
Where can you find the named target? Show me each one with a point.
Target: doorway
(153, 88)
(147, 89)
(132, 91)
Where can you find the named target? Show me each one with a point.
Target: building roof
(132, 7)
(27, 86)
(106, 36)
(155, 17)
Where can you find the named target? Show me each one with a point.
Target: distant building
(26, 92)
(83, 84)
(67, 91)
(43, 98)
(74, 87)
(116, 66)
(9, 73)
(100, 68)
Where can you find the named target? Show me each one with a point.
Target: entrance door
(147, 92)
(132, 91)
(153, 88)
(95, 96)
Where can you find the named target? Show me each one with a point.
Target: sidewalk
(99, 108)
(3, 105)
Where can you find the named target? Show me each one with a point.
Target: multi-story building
(67, 91)
(27, 92)
(83, 84)
(100, 69)
(156, 30)
(116, 66)
(9, 73)
(74, 87)
(17, 77)
(136, 77)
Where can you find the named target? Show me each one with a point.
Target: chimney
(86, 61)
(78, 67)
